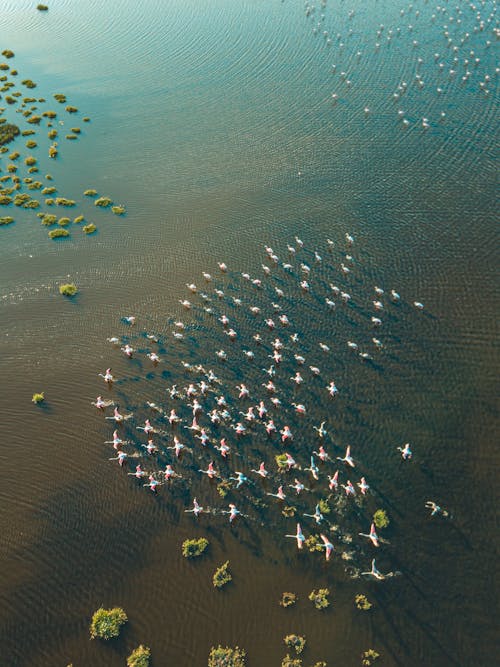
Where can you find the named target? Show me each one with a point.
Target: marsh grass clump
(52, 134)
(289, 511)
(106, 623)
(28, 83)
(7, 53)
(226, 657)
(288, 599)
(320, 598)
(9, 99)
(11, 168)
(68, 289)
(222, 576)
(380, 519)
(27, 133)
(71, 109)
(34, 120)
(53, 151)
(288, 661)
(90, 228)
(5, 200)
(42, 8)
(369, 657)
(49, 114)
(78, 219)
(223, 488)
(86, 119)
(30, 160)
(71, 137)
(75, 130)
(32, 203)
(90, 193)
(49, 190)
(139, 657)
(281, 462)
(36, 185)
(313, 543)
(103, 202)
(8, 132)
(60, 97)
(58, 233)
(6, 220)
(63, 222)
(118, 210)
(32, 170)
(362, 602)
(49, 201)
(21, 198)
(4, 67)
(194, 548)
(296, 642)
(38, 397)
(324, 507)
(31, 144)
(48, 219)
(62, 201)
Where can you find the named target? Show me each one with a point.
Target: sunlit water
(215, 124)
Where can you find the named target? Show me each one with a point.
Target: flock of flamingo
(237, 416)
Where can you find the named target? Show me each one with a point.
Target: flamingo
(244, 393)
(211, 472)
(147, 428)
(107, 376)
(333, 481)
(332, 389)
(177, 446)
(372, 536)
(127, 350)
(153, 483)
(376, 574)
(223, 448)
(313, 468)
(116, 440)
(280, 494)
(347, 458)
(321, 431)
(317, 516)
(261, 471)
(100, 403)
(327, 545)
(197, 509)
(298, 536)
(233, 512)
(169, 473)
(349, 489)
(286, 434)
(270, 427)
(150, 447)
(240, 479)
(363, 486)
(139, 472)
(322, 454)
(406, 452)
(298, 486)
(121, 457)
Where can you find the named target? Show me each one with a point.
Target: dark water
(215, 124)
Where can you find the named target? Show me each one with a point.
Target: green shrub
(104, 202)
(34, 120)
(58, 233)
(7, 53)
(49, 219)
(8, 132)
(79, 218)
(226, 657)
(62, 201)
(38, 397)
(28, 83)
(90, 193)
(49, 190)
(118, 210)
(60, 97)
(194, 548)
(29, 161)
(320, 598)
(5, 200)
(106, 623)
(288, 661)
(68, 289)
(90, 228)
(222, 576)
(139, 657)
(6, 220)
(71, 137)
(63, 222)
(288, 599)
(380, 519)
(369, 657)
(71, 109)
(31, 144)
(362, 602)
(295, 641)
(281, 462)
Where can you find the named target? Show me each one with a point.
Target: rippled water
(215, 124)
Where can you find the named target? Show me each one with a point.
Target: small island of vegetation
(106, 623)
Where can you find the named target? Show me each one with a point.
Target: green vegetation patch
(320, 598)
(226, 657)
(62, 201)
(63, 222)
(8, 132)
(7, 53)
(60, 97)
(34, 120)
(369, 657)
(28, 83)
(296, 642)
(31, 143)
(27, 133)
(362, 602)
(139, 657)
(71, 109)
(6, 220)
(49, 190)
(90, 193)
(71, 137)
(90, 228)
(288, 599)
(380, 519)
(58, 233)
(48, 219)
(38, 397)
(103, 202)
(118, 210)
(49, 114)
(222, 576)
(194, 548)
(5, 200)
(106, 623)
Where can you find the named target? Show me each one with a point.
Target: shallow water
(216, 126)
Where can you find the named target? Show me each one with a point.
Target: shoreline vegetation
(37, 120)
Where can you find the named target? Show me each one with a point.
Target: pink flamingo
(347, 458)
(197, 509)
(327, 545)
(261, 471)
(372, 536)
(298, 536)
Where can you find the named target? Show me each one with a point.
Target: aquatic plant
(194, 548)
(226, 657)
(38, 397)
(58, 233)
(320, 663)
(9, 99)
(223, 488)
(32, 203)
(118, 210)
(369, 657)
(49, 219)
(78, 219)
(288, 599)
(86, 119)
(324, 507)
(53, 151)
(28, 83)
(31, 144)
(76, 130)
(14, 155)
(27, 133)
(288, 661)
(49, 190)
(5, 200)
(68, 289)
(63, 222)
(34, 120)
(6, 220)
(52, 134)
(281, 462)
(49, 201)
(4, 67)
(71, 136)
(11, 168)
(71, 109)
(60, 97)
(313, 543)
(7, 53)
(104, 202)
(380, 519)
(49, 114)
(33, 170)
(320, 598)
(362, 602)
(222, 576)
(90, 193)
(36, 185)
(8, 132)
(48, 177)
(106, 623)
(296, 642)
(289, 511)
(62, 201)
(139, 657)
(42, 8)
(29, 161)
